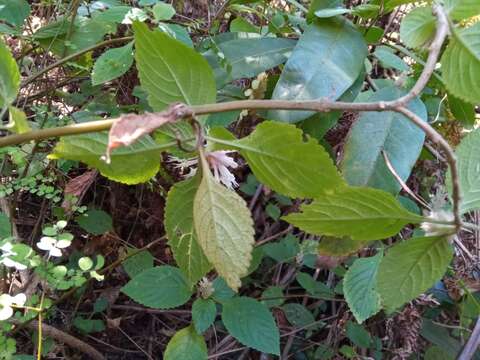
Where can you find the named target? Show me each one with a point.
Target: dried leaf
(77, 187)
(130, 127)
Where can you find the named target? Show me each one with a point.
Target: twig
(472, 345)
(402, 183)
(65, 338)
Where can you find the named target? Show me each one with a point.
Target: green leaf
(171, 71)
(326, 61)
(5, 226)
(273, 296)
(163, 11)
(461, 64)
(221, 290)
(418, 27)
(9, 76)
(389, 59)
(161, 287)
(224, 228)
(410, 268)
(186, 344)
(361, 213)
(204, 312)
(462, 9)
(248, 57)
(376, 134)
(112, 64)
(180, 230)
(130, 165)
(14, 11)
(138, 263)
(88, 325)
(298, 315)
(17, 121)
(358, 335)
(314, 287)
(284, 250)
(86, 32)
(359, 287)
(273, 151)
(333, 246)
(85, 263)
(177, 32)
(462, 111)
(468, 164)
(252, 324)
(96, 222)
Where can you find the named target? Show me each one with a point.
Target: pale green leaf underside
(468, 155)
(252, 324)
(186, 344)
(410, 268)
(112, 64)
(281, 159)
(224, 229)
(461, 64)
(376, 133)
(161, 287)
(361, 213)
(181, 234)
(359, 287)
(171, 71)
(133, 164)
(325, 62)
(418, 27)
(462, 9)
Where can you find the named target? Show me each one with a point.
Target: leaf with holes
(180, 230)
(410, 268)
(273, 151)
(326, 61)
(252, 324)
(171, 71)
(378, 134)
(468, 164)
(361, 213)
(461, 64)
(161, 287)
(359, 287)
(224, 228)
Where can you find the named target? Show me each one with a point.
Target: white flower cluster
(54, 242)
(6, 303)
(219, 161)
(6, 257)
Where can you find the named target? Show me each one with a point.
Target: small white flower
(6, 302)
(433, 229)
(53, 245)
(6, 260)
(220, 162)
(185, 165)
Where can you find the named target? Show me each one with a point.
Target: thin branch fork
(319, 105)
